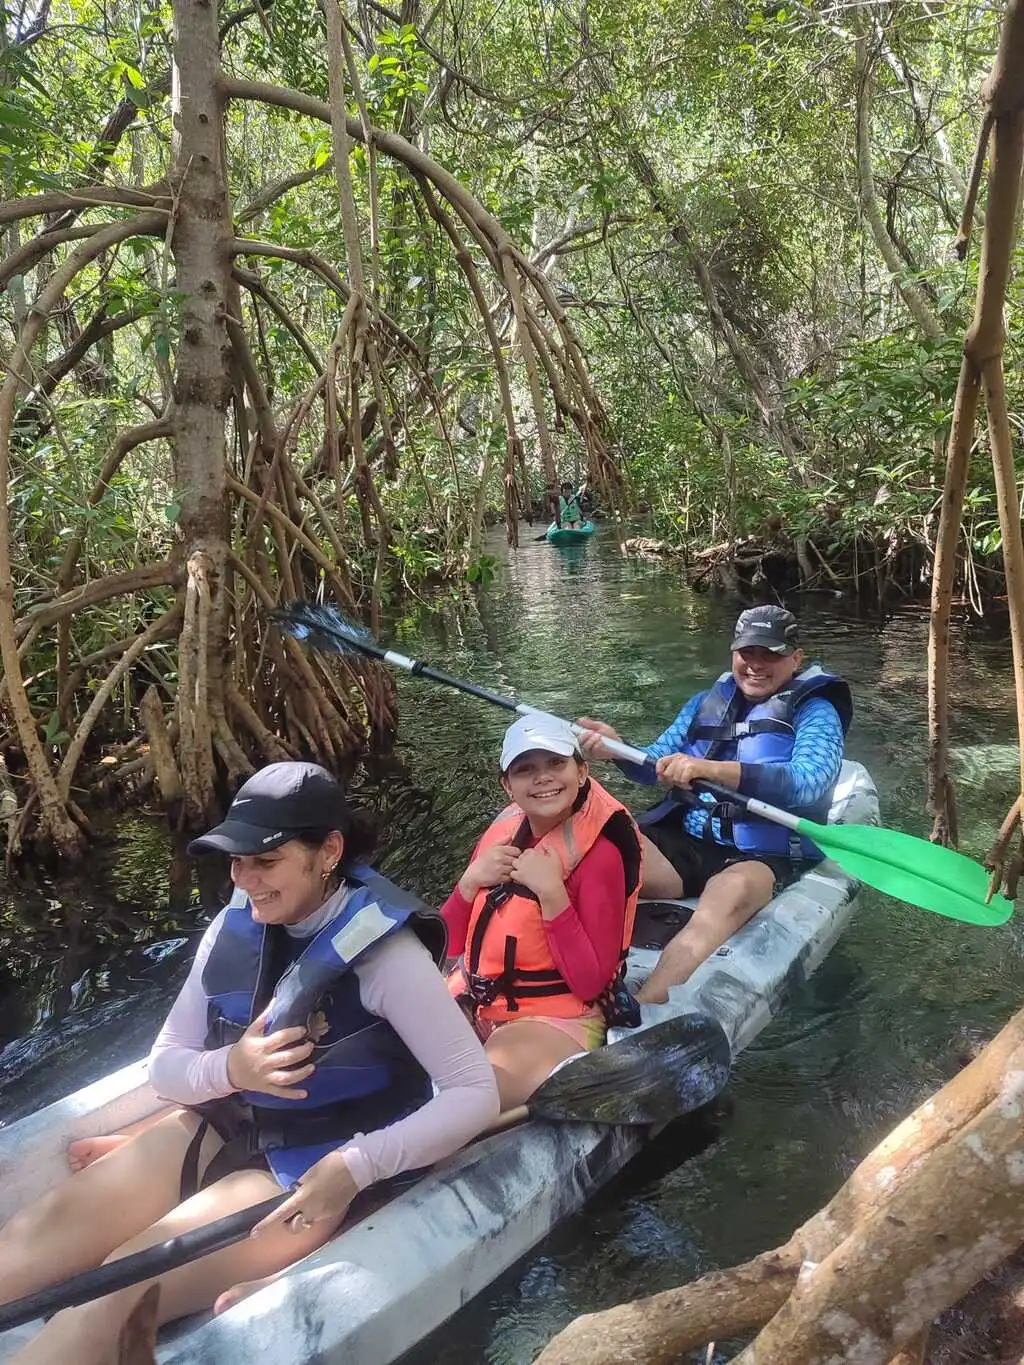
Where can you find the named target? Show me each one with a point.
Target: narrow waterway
(87, 966)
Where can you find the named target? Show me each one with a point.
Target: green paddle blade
(913, 870)
(651, 1076)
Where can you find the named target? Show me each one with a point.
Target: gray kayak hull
(384, 1284)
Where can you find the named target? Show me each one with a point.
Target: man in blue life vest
(772, 728)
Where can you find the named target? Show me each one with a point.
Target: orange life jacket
(507, 966)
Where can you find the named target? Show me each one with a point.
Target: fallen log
(659, 1329)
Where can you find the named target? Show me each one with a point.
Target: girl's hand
(590, 743)
(541, 871)
(321, 1196)
(491, 868)
(270, 1063)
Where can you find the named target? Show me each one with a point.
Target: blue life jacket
(727, 728)
(365, 1076)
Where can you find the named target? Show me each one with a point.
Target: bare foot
(85, 1151)
(240, 1291)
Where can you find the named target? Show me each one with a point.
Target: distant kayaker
(569, 513)
(544, 911)
(772, 728)
(305, 1045)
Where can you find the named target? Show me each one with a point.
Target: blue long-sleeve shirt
(805, 777)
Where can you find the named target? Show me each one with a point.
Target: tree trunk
(200, 243)
(660, 1329)
(916, 1254)
(983, 349)
(910, 293)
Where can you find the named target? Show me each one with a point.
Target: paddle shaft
(141, 1265)
(625, 752)
(755, 807)
(898, 864)
(652, 1075)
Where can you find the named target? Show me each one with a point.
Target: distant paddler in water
(314, 1043)
(543, 914)
(570, 514)
(772, 727)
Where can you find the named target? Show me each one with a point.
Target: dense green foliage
(687, 178)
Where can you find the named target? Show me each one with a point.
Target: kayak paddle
(650, 1076)
(655, 1075)
(913, 870)
(139, 1266)
(326, 628)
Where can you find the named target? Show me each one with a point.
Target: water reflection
(88, 967)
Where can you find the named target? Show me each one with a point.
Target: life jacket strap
(508, 974)
(725, 812)
(767, 725)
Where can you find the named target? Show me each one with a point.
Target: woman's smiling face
(544, 786)
(287, 883)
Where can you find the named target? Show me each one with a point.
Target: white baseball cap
(548, 733)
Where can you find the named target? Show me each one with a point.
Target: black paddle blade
(656, 1074)
(324, 627)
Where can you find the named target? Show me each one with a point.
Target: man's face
(760, 673)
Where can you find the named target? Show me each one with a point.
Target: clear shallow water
(87, 966)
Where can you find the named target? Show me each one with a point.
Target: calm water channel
(88, 966)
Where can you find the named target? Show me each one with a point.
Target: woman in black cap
(298, 1052)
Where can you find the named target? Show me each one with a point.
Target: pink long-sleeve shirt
(586, 937)
(397, 982)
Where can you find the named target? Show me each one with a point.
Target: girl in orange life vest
(544, 911)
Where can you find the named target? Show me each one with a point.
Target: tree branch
(164, 574)
(156, 630)
(127, 441)
(277, 189)
(25, 256)
(251, 281)
(156, 197)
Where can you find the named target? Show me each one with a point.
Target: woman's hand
(270, 1063)
(591, 743)
(322, 1196)
(491, 868)
(540, 871)
(681, 770)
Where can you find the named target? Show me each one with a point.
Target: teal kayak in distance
(569, 535)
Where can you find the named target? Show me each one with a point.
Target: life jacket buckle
(482, 990)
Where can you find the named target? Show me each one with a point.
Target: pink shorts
(586, 1031)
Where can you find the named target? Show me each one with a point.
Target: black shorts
(698, 860)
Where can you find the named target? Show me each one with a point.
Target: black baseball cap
(769, 627)
(273, 806)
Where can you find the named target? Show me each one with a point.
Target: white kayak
(382, 1285)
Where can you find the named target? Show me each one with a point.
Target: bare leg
(661, 880)
(523, 1055)
(83, 1219)
(84, 1151)
(88, 1335)
(730, 898)
(241, 1291)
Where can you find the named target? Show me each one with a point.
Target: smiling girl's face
(544, 786)
(287, 883)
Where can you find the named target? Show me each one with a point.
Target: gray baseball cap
(768, 627)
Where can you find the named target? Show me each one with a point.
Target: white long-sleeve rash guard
(399, 982)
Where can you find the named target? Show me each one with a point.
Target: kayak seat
(658, 922)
